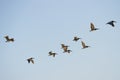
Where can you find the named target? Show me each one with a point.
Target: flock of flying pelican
(63, 46)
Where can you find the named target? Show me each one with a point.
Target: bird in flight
(111, 23)
(30, 60)
(84, 45)
(76, 38)
(65, 48)
(52, 54)
(9, 39)
(92, 27)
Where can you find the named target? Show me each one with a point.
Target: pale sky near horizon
(40, 26)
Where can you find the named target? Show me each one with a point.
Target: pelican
(83, 45)
(9, 39)
(52, 54)
(92, 27)
(30, 60)
(76, 38)
(111, 23)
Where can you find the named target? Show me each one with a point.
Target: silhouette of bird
(84, 45)
(9, 39)
(92, 27)
(76, 38)
(30, 60)
(52, 54)
(111, 23)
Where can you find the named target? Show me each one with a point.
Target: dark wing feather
(7, 38)
(32, 61)
(28, 60)
(92, 26)
(83, 44)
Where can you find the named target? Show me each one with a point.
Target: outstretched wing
(62, 45)
(12, 39)
(83, 44)
(92, 26)
(28, 60)
(111, 23)
(32, 61)
(7, 38)
(76, 38)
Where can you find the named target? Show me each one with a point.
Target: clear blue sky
(39, 26)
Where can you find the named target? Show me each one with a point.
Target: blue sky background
(39, 26)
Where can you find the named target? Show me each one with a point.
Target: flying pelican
(111, 23)
(30, 60)
(92, 27)
(9, 39)
(76, 38)
(52, 54)
(83, 45)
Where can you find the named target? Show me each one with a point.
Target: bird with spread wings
(30, 60)
(92, 27)
(52, 54)
(111, 23)
(9, 39)
(84, 45)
